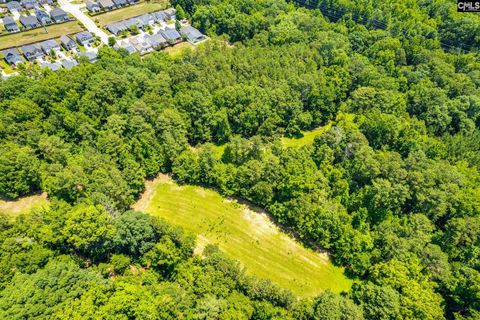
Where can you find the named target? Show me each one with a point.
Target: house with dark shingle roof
(69, 63)
(120, 3)
(171, 35)
(59, 15)
(192, 35)
(90, 55)
(170, 13)
(29, 4)
(32, 51)
(85, 38)
(159, 16)
(106, 4)
(54, 66)
(141, 45)
(146, 20)
(116, 28)
(12, 56)
(43, 17)
(156, 40)
(29, 21)
(50, 45)
(68, 43)
(10, 24)
(93, 6)
(14, 6)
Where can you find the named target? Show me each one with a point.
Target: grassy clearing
(23, 205)
(178, 49)
(306, 138)
(54, 31)
(130, 11)
(245, 235)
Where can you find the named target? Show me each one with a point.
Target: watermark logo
(468, 6)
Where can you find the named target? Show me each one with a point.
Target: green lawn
(23, 205)
(130, 11)
(178, 49)
(54, 31)
(306, 138)
(245, 235)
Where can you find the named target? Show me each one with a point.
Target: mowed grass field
(39, 34)
(245, 235)
(306, 138)
(130, 11)
(23, 205)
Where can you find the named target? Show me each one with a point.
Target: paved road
(74, 9)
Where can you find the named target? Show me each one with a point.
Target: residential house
(120, 3)
(59, 15)
(132, 1)
(93, 6)
(68, 43)
(29, 4)
(192, 35)
(43, 17)
(125, 45)
(170, 13)
(10, 24)
(29, 21)
(106, 4)
(90, 55)
(171, 35)
(157, 40)
(159, 16)
(45, 1)
(32, 52)
(146, 20)
(14, 6)
(116, 28)
(50, 45)
(141, 45)
(12, 56)
(69, 63)
(54, 66)
(85, 38)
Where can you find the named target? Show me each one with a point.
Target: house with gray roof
(171, 35)
(43, 17)
(14, 6)
(93, 6)
(12, 56)
(156, 40)
(120, 3)
(159, 16)
(29, 22)
(116, 28)
(68, 43)
(106, 4)
(69, 63)
(59, 15)
(29, 4)
(90, 55)
(192, 35)
(146, 20)
(10, 24)
(54, 66)
(141, 45)
(170, 13)
(85, 38)
(50, 45)
(32, 51)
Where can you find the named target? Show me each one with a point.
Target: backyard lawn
(245, 234)
(39, 34)
(177, 49)
(306, 137)
(130, 11)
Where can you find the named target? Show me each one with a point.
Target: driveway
(74, 9)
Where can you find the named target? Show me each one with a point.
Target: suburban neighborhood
(132, 25)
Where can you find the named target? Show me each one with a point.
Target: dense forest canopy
(391, 188)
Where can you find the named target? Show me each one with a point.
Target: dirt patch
(149, 193)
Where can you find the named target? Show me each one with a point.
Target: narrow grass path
(243, 234)
(306, 138)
